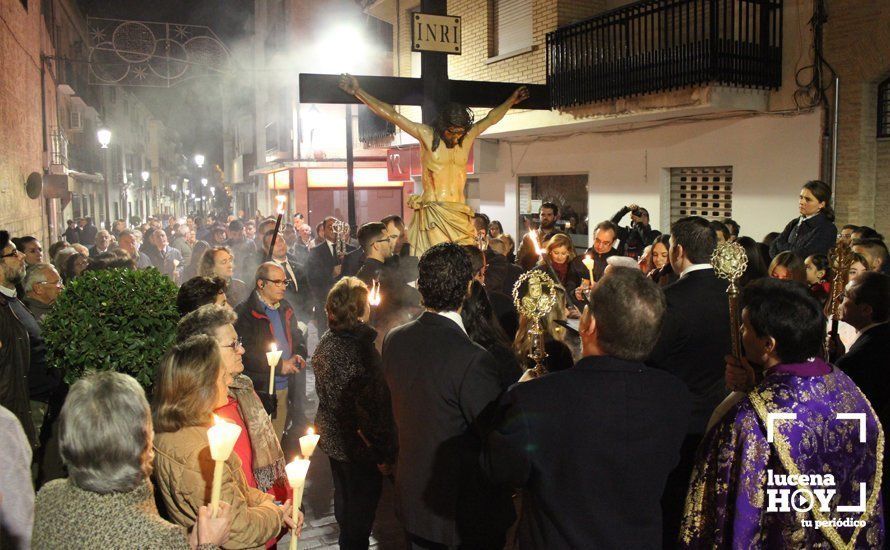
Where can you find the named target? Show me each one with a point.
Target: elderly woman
(218, 261)
(262, 460)
(355, 417)
(191, 382)
(107, 501)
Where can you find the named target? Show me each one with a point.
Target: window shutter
(704, 191)
(514, 25)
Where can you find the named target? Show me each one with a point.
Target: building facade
(735, 145)
(49, 117)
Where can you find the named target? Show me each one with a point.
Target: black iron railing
(658, 45)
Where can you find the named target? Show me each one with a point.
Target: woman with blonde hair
(191, 382)
(557, 262)
(355, 418)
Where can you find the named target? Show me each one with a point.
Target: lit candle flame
(280, 199)
(534, 237)
(274, 347)
(310, 431)
(216, 420)
(374, 294)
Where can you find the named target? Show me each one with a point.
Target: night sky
(192, 108)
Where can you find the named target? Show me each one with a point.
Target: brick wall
(21, 142)
(856, 44)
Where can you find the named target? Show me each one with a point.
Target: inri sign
(435, 33)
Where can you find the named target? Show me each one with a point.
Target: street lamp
(204, 182)
(104, 137)
(199, 160)
(146, 193)
(145, 176)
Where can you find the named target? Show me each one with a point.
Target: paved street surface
(320, 530)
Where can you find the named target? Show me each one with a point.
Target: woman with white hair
(107, 501)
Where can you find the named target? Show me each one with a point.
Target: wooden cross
(431, 91)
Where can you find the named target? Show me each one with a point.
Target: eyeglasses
(279, 282)
(234, 345)
(57, 284)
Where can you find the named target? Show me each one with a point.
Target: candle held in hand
(588, 263)
(308, 443)
(222, 437)
(273, 357)
(296, 477)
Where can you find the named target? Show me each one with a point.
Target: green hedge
(118, 319)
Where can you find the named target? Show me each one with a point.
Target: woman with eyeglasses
(191, 383)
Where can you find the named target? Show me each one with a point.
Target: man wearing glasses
(14, 338)
(264, 319)
(42, 285)
(297, 291)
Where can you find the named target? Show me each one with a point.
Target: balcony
(660, 45)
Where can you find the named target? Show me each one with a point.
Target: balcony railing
(658, 45)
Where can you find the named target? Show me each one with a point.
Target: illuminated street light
(199, 160)
(213, 191)
(104, 137)
(204, 182)
(173, 187)
(145, 175)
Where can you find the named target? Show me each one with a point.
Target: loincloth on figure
(436, 222)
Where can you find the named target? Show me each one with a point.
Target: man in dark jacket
(72, 233)
(694, 340)
(264, 319)
(437, 400)
(636, 237)
(866, 307)
(297, 293)
(324, 268)
(15, 351)
(604, 236)
(88, 232)
(574, 439)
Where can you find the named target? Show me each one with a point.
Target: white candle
(588, 263)
(308, 443)
(222, 437)
(272, 357)
(296, 477)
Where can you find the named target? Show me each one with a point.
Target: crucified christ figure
(440, 213)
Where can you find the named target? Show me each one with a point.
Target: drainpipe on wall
(834, 130)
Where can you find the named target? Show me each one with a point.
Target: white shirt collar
(454, 316)
(11, 293)
(805, 218)
(695, 267)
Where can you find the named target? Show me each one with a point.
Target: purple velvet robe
(727, 503)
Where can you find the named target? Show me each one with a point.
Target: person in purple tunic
(804, 481)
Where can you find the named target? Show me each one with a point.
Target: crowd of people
(644, 431)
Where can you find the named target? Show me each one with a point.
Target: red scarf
(561, 270)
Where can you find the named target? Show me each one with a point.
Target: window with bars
(884, 109)
(704, 191)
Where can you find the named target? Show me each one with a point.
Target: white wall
(771, 156)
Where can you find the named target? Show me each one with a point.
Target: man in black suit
(297, 292)
(441, 382)
(694, 339)
(500, 275)
(866, 307)
(593, 445)
(324, 268)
